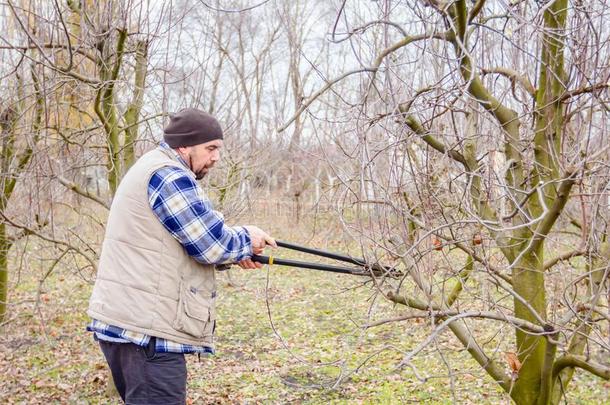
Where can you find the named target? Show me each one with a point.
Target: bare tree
(465, 141)
(466, 159)
(18, 140)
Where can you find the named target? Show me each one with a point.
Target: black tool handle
(307, 265)
(322, 253)
(331, 255)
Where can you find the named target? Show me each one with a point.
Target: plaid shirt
(179, 203)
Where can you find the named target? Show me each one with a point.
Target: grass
(283, 336)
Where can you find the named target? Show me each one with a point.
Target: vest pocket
(196, 313)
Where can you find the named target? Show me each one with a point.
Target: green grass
(317, 336)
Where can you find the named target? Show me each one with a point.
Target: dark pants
(143, 376)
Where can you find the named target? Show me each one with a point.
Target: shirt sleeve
(181, 206)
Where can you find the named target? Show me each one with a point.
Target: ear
(183, 151)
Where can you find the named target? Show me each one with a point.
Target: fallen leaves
(314, 315)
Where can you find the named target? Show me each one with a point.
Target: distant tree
(21, 122)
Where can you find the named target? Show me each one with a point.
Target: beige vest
(146, 282)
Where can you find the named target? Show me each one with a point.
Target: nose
(215, 156)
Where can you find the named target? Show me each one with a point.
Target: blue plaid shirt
(181, 206)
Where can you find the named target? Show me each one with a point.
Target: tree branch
(496, 316)
(475, 10)
(417, 127)
(401, 44)
(132, 113)
(461, 278)
(409, 302)
(483, 261)
(506, 117)
(582, 90)
(318, 93)
(464, 336)
(364, 27)
(565, 256)
(26, 155)
(34, 232)
(514, 77)
(80, 191)
(570, 360)
(544, 227)
(51, 45)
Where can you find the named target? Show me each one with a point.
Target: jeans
(144, 376)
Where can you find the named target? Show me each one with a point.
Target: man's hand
(249, 264)
(260, 239)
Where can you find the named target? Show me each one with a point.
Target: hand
(249, 264)
(260, 239)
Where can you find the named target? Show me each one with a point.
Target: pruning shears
(363, 269)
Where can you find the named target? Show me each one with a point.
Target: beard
(198, 174)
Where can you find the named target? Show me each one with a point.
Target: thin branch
(362, 28)
(401, 44)
(39, 47)
(63, 24)
(51, 45)
(565, 256)
(80, 191)
(473, 348)
(34, 232)
(497, 316)
(587, 89)
(465, 337)
(483, 261)
(317, 94)
(580, 307)
(241, 10)
(417, 127)
(544, 227)
(519, 207)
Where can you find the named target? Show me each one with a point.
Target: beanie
(190, 127)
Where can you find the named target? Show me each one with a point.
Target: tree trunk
(132, 114)
(5, 246)
(528, 282)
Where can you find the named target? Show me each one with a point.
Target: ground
(284, 336)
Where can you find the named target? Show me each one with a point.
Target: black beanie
(191, 127)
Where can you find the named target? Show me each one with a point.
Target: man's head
(197, 137)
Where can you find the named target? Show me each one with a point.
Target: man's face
(201, 157)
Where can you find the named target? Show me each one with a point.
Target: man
(154, 296)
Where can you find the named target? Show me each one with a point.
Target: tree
(18, 142)
(483, 165)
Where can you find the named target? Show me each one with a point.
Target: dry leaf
(438, 245)
(513, 362)
(477, 239)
